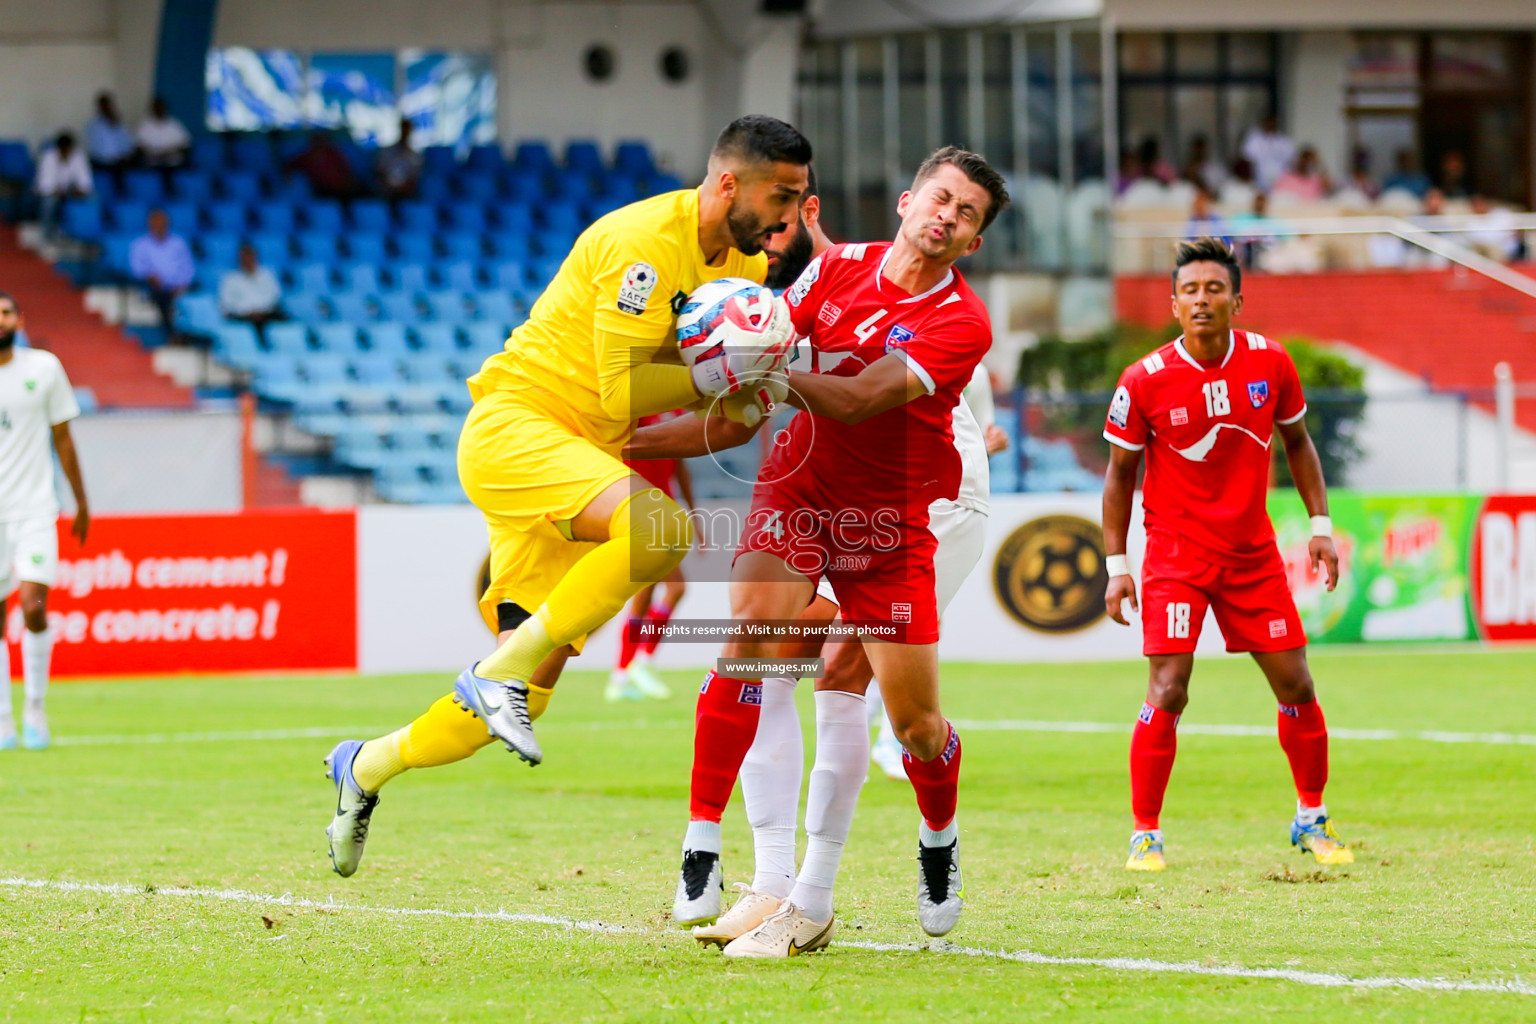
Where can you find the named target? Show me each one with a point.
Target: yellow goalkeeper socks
(649, 535)
(445, 733)
(538, 700)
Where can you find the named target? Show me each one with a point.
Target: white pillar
(1504, 409)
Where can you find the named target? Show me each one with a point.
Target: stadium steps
(274, 488)
(96, 355)
(1447, 327)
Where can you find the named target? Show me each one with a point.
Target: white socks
(702, 837)
(842, 762)
(1310, 815)
(770, 788)
(36, 655)
(5, 678)
(942, 838)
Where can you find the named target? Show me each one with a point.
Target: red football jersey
(905, 457)
(1207, 432)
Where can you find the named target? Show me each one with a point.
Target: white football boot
(785, 933)
(940, 892)
(698, 889)
(347, 833)
(749, 911)
(503, 707)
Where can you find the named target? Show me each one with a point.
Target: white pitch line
(1314, 979)
(1268, 731)
(317, 732)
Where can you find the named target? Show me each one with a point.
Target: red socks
(660, 616)
(724, 725)
(1304, 738)
(629, 641)
(936, 783)
(1154, 742)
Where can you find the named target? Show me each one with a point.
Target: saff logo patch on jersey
(802, 285)
(898, 337)
(1178, 417)
(829, 313)
(1120, 407)
(635, 291)
(1258, 393)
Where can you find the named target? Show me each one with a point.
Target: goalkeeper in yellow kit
(574, 534)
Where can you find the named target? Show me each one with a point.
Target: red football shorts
(1253, 604)
(879, 563)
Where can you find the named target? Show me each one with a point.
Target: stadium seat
(468, 216)
(144, 186)
(561, 217)
(370, 215)
(410, 277)
(355, 307)
(307, 307)
(221, 248)
(364, 400)
(431, 368)
(193, 187)
(634, 158)
(252, 152)
(402, 306)
(660, 183)
(311, 277)
(513, 215)
(525, 186)
(336, 337)
(128, 215)
(279, 378)
(532, 155)
(447, 305)
(477, 188)
(295, 189)
(438, 161)
(497, 306)
(572, 186)
(510, 276)
(509, 246)
(413, 245)
(197, 313)
(208, 152)
(361, 277)
(322, 215)
(387, 338)
(16, 162)
(236, 344)
(601, 206)
(459, 274)
(436, 191)
(463, 245)
(321, 245)
(275, 216)
(271, 249)
(290, 338)
(182, 216)
(326, 368)
(437, 337)
(418, 216)
(485, 157)
(377, 370)
(366, 247)
(83, 219)
(244, 186)
(418, 398)
(584, 156)
(485, 337)
(226, 215)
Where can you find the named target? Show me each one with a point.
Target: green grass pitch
(1442, 889)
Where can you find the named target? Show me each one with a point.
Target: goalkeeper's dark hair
(1208, 250)
(973, 166)
(760, 139)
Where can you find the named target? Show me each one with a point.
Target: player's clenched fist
(1121, 589)
(745, 353)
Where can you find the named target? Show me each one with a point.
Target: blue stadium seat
(311, 277)
(510, 276)
(387, 338)
(378, 370)
(219, 248)
(327, 368)
(356, 307)
(532, 155)
(208, 152)
(485, 157)
(563, 216)
(198, 313)
(128, 215)
(435, 190)
(438, 337)
(431, 368)
(660, 183)
(337, 337)
(509, 247)
(583, 155)
(438, 161)
(409, 277)
(365, 400)
(252, 151)
(322, 215)
(477, 188)
(193, 186)
(524, 186)
(271, 249)
(104, 187)
(459, 275)
(413, 246)
(318, 246)
(418, 398)
(555, 243)
(294, 188)
(513, 215)
(542, 270)
(463, 245)
(418, 216)
(236, 344)
(498, 307)
(601, 206)
(366, 247)
(447, 306)
(275, 216)
(144, 186)
(287, 337)
(183, 217)
(572, 186)
(634, 158)
(226, 215)
(468, 216)
(370, 215)
(16, 162)
(361, 277)
(305, 306)
(485, 337)
(401, 306)
(244, 186)
(83, 219)
(278, 378)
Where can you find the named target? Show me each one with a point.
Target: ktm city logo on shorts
(1049, 574)
(829, 313)
(901, 611)
(1276, 628)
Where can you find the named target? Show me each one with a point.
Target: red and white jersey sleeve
(1208, 434)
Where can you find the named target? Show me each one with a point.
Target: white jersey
(34, 396)
(972, 416)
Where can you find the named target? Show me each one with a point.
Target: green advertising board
(1402, 566)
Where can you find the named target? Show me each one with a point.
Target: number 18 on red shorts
(1253, 604)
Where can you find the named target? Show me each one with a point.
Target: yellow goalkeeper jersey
(626, 277)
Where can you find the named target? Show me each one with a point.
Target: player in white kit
(36, 405)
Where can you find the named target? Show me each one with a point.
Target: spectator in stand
(1201, 169)
(1270, 150)
(1306, 181)
(62, 174)
(162, 263)
(1360, 178)
(1204, 221)
(1453, 175)
(1407, 177)
(1251, 242)
(163, 140)
(1238, 190)
(398, 167)
(1152, 163)
(1493, 233)
(1130, 173)
(250, 292)
(108, 142)
(325, 165)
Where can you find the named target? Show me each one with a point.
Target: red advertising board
(1502, 567)
(205, 593)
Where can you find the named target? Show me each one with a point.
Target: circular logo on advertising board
(1050, 574)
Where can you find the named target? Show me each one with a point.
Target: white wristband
(1322, 526)
(1116, 565)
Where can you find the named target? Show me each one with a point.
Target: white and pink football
(728, 311)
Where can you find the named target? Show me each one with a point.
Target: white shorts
(29, 551)
(962, 535)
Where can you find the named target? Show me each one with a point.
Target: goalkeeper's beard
(747, 232)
